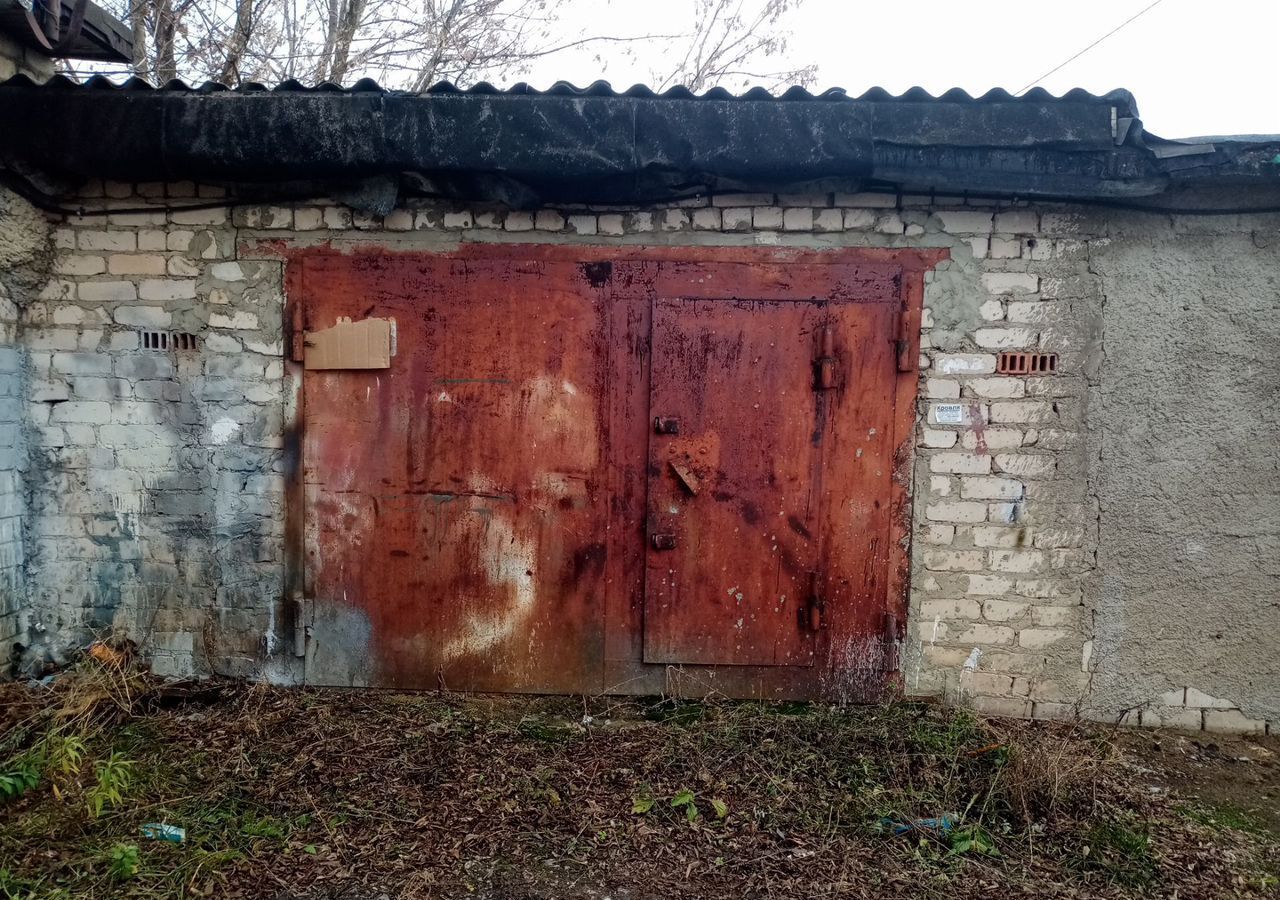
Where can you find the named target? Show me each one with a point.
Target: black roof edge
(523, 147)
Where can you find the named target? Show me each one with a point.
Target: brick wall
(157, 491)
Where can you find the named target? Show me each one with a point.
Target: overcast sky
(1195, 67)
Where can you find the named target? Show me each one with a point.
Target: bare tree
(241, 34)
(413, 44)
(731, 40)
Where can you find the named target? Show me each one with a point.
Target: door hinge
(904, 347)
(663, 541)
(895, 632)
(812, 613)
(297, 335)
(303, 619)
(825, 363)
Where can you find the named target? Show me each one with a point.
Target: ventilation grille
(1011, 363)
(170, 340)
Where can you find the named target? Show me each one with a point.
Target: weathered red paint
(483, 514)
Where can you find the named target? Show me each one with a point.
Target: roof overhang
(524, 147)
(102, 37)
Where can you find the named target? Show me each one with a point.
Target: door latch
(687, 479)
(663, 541)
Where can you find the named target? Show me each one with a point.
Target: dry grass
(351, 795)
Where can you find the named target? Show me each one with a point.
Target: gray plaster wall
(1184, 421)
(24, 259)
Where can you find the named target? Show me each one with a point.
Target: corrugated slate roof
(1121, 99)
(523, 146)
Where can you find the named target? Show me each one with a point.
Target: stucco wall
(24, 261)
(157, 479)
(1185, 424)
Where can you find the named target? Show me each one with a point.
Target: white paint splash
(507, 561)
(270, 635)
(223, 430)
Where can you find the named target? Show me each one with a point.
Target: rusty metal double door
(574, 476)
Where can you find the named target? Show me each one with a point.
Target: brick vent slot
(1011, 363)
(167, 340)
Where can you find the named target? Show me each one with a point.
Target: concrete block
(1018, 561)
(1006, 338)
(107, 291)
(118, 241)
(990, 488)
(1027, 465)
(167, 289)
(610, 223)
(955, 560)
(736, 219)
(1011, 282)
(143, 316)
(549, 220)
(1022, 411)
(673, 220)
(79, 266)
(518, 221)
(766, 218)
(964, 221)
(956, 511)
(1232, 721)
(135, 264)
(82, 363)
(948, 610)
(964, 363)
(930, 437)
(1017, 221)
(998, 635)
(797, 219)
(959, 463)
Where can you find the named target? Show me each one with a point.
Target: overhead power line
(1076, 56)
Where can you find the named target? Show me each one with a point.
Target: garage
(628, 470)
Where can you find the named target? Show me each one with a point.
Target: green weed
(1121, 851)
(113, 776)
(1222, 817)
(123, 861)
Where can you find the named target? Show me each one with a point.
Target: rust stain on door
(585, 469)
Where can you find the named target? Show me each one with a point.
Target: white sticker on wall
(949, 414)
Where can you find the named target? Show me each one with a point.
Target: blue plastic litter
(159, 831)
(943, 823)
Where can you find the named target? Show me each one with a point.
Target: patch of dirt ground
(343, 795)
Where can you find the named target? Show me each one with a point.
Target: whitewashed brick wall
(158, 498)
